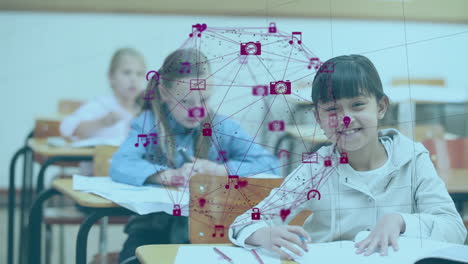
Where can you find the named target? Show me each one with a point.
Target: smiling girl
(369, 179)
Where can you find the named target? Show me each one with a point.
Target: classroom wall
(49, 56)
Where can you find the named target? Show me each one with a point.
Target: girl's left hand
(386, 232)
(204, 166)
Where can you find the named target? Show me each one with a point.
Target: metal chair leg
(103, 239)
(48, 243)
(35, 225)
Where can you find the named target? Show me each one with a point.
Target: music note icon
(232, 179)
(198, 27)
(314, 62)
(185, 67)
(142, 137)
(218, 228)
(299, 38)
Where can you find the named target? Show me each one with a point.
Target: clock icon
(251, 48)
(280, 88)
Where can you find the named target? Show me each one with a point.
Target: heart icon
(202, 27)
(284, 213)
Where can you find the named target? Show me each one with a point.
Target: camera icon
(260, 90)
(280, 87)
(276, 125)
(196, 112)
(251, 48)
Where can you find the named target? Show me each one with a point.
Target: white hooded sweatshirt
(407, 184)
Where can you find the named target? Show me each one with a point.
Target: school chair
(426, 132)
(448, 153)
(72, 216)
(212, 210)
(68, 106)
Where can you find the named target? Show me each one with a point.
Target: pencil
(257, 256)
(223, 255)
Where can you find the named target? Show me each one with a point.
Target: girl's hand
(209, 167)
(276, 237)
(386, 232)
(175, 177)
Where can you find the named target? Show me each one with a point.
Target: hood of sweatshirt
(403, 151)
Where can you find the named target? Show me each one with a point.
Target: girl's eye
(358, 104)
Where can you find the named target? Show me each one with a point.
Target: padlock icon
(344, 158)
(327, 161)
(272, 28)
(176, 211)
(206, 131)
(255, 213)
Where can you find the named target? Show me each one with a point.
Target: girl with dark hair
(179, 115)
(371, 180)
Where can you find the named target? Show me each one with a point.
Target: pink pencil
(257, 256)
(223, 255)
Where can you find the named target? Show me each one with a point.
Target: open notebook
(140, 199)
(411, 250)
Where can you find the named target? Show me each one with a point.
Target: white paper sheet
(206, 255)
(410, 250)
(140, 199)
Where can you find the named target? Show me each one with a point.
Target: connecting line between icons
(261, 124)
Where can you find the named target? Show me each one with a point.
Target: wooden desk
(65, 186)
(40, 146)
(155, 254)
(48, 155)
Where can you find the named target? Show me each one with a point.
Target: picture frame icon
(309, 157)
(197, 84)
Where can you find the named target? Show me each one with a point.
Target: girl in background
(108, 117)
(179, 115)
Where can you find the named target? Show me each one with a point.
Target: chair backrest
(448, 154)
(102, 159)
(67, 107)
(45, 128)
(213, 207)
(425, 132)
